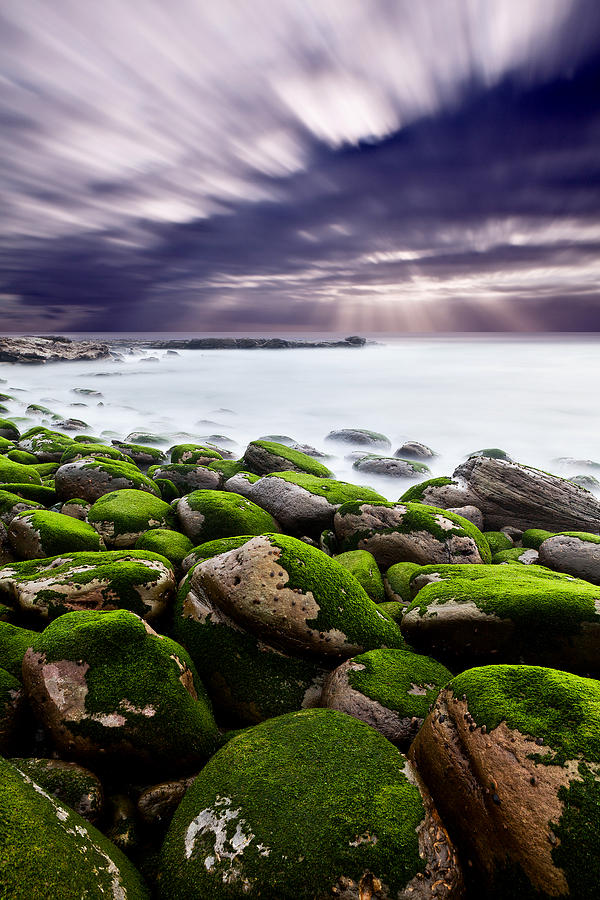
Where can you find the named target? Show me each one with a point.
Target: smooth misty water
(536, 399)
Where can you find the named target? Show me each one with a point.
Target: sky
(276, 166)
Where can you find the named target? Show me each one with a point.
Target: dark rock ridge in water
(245, 343)
(32, 349)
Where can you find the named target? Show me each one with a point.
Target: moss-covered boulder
(194, 454)
(76, 508)
(574, 552)
(173, 545)
(248, 679)
(264, 457)
(48, 851)
(136, 580)
(359, 437)
(302, 504)
(390, 690)
(15, 473)
(79, 450)
(397, 582)
(121, 517)
(390, 466)
(227, 468)
(392, 609)
(209, 515)
(89, 479)
(498, 541)
(12, 703)
(535, 537)
(294, 596)
(43, 493)
(9, 430)
(107, 687)
(409, 532)
(524, 556)
(35, 534)
(468, 614)
(511, 755)
(366, 571)
(213, 548)
(46, 445)
(11, 505)
(188, 477)
(21, 456)
(142, 456)
(69, 782)
(311, 804)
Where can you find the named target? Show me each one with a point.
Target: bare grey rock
(573, 555)
(49, 349)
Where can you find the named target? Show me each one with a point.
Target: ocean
(536, 399)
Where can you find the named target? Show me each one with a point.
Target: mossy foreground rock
(141, 582)
(391, 690)
(264, 457)
(91, 478)
(409, 532)
(470, 614)
(511, 755)
(308, 805)
(79, 788)
(574, 552)
(508, 493)
(301, 503)
(188, 476)
(16, 473)
(12, 504)
(209, 515)
(214, 548)
(366, 571)
(121, 517)
(49, 852)
(107, 687)
(294, 596)
(248, 679)
(42, 533)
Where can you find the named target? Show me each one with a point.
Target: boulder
(173, 545)
(576, 553)
(71, 858)
(12, 504)
(359, 437)
(78, 450)
(16, 473)
(396, 582)
(188, 476)
(46, 445)
(311, 804)
(295, 597)
(76, 787)
(213, 548)
(108, 688)
(192, 454)
(14, 643)
(264, 457)
(121, 517)
(464, 615)
(511, 756)
(89, 479)
(520, 555)
(409, 532)
(36, 534)
(414, 450)
(390, 466)
(390, 690)
(143, 457)
(363, 566)
(47, 588)
(209, 515)
(302, 504)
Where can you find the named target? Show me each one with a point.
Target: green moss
(168, 491)
(69, 783)
(139, 453)
(281, 455)
(21, 456)
(222, 514)
(61, 534)
(247, 680)
(343, 604)
(511, 556)
(47, 468)
(492, 453)
(417, 517)
(79, 450)
(129, 512)
(14, 643)
(541, 603)
(35, 492)
(227, 467)
(185, 476)
(87, 439)
(561, 709)
(498, 541)
(582, 535)
(171, 544)
(310, 788)
(48, 851)
(46, 445)
(116, 575)
(398, 578)
(335, 492)
(578, 833)
(117, 469)
(414, 493)
(6, 445)
(192, 453)
(8, 501)
(391, 676)
(534, 537)
(126, 662)
(15, 473)
(394, 610)
(363, 566)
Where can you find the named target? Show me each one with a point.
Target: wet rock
(359, 436)
(90, 479)
(576, 553)
(390, 466)
(264, 457)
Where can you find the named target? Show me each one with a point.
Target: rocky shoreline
(242, 677)
(41, 349)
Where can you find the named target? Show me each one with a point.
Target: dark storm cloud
(341, 165)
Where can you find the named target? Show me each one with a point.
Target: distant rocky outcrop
(32, 349)
(235, 343)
